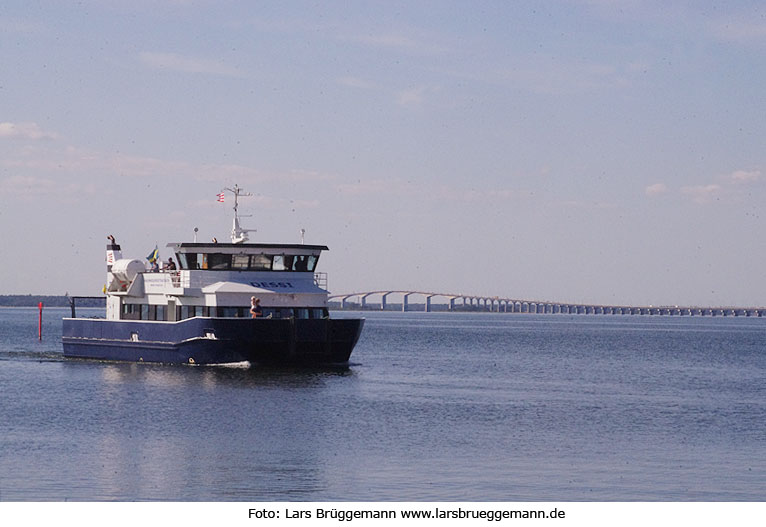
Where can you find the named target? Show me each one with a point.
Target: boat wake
(39, 356)
(243, 365)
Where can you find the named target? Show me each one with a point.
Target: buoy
(40, 322)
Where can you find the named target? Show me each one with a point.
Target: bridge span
(379, 300)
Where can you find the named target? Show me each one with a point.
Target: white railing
(179, 279)
(320, 280)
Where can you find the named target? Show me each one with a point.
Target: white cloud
(24, 131)
(356, 82)
(741, 30)
(81, 160)
(656, 189)
(412, 96)
(702, 194)
(175, 62)
(393, 41)
(423, 192)
(371, 186)
(388, 41)
(744, 176)
(29, 188)
(22, 26)
(84, 162)
(24, 184)
(566, 77)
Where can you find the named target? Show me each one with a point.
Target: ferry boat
(223, 303)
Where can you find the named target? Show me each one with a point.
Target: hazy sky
(584, 151)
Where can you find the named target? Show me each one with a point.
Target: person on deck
(255, 307)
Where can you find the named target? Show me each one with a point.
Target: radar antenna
(238, 234)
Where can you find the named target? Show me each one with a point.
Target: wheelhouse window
(240, 262)
(218, 261)
(248, 262)
(260, 262)
(187, 260)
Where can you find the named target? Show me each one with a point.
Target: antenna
(196, 230)
(303, 234)
(238, 234)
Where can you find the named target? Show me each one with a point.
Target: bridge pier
(428, 303)
(344, 301)
(363, 300)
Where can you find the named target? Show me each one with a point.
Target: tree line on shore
(47, 300)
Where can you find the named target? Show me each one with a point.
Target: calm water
(436, 407)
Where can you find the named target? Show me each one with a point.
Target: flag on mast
(220, 197)
(154, 255)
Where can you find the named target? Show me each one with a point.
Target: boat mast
(238, 234)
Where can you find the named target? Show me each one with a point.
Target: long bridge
(461, 302)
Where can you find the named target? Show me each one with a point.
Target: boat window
(218, 261)
(188, 260)
(190, 311)
(260, 262)
(145, 312)
(243, 312)
(160, 313)
(231, 312)
(300, 263)
(227, 312)
(244, 262)
(131, 312)
(240, 261)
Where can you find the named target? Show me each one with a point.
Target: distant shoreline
(47, 300)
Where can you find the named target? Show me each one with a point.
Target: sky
(591, 151)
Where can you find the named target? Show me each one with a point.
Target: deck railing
(180, 279)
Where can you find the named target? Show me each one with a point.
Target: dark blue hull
(213, 340)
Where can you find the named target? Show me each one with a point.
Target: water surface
(435, 406)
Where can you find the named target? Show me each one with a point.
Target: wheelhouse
(247, 257)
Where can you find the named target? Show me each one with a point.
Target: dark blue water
(436, 407)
